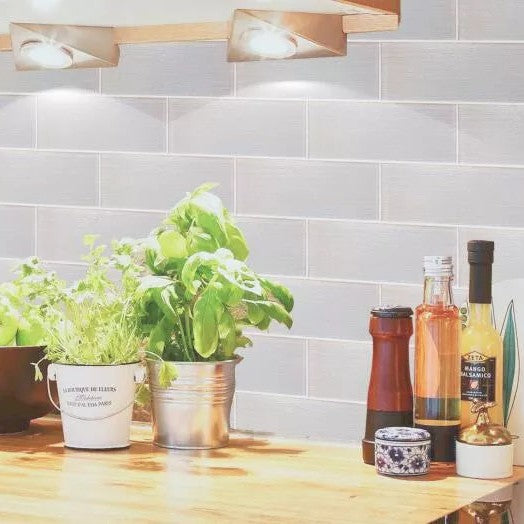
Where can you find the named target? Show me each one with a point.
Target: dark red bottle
(390, 394)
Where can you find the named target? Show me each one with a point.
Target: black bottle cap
(481, 251)
(392, 312)
(480, 258)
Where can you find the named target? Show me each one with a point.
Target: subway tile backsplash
(343, 173)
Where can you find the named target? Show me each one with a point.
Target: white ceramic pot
(484, 462)
(96, 403)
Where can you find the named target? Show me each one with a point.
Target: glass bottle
(481, 346)
(437, 359)
(390, 395)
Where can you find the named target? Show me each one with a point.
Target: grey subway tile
(453, 71)
(509, 252)
(491, 134)
(300, 417)
(427, 20)
(452, 194)
(17, 121)
(276, 246)
(325, 309)
(273, 365)
(379, 131)
(61, 230)
(491, 20)
(17, 231)
(159, 182)
(13, 81)
(237, 127)
(100, 123)
(352, 76)
(375, 252)
(195, 69)
(37, 177)
(339, 370)
(307, 188)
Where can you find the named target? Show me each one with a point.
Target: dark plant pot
(22, 399)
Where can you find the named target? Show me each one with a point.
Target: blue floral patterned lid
(402, 434)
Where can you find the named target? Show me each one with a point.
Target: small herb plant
(97, 320)
(27, 303)
(196, 292)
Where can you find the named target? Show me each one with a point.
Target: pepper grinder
(390, 394)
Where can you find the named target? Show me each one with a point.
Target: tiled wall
(343, 172)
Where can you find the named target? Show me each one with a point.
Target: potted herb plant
(195, 300)
(94, 351)
(26, 313)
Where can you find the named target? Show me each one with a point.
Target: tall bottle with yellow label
(481, 345)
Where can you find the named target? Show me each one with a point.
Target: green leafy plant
(196, 294)
(97, 317)
(27, 304)
(511, 361)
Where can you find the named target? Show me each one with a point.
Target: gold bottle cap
(483, 432)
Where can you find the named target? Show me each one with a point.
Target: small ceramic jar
(402, 452)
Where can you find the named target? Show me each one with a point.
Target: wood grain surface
(255, 480)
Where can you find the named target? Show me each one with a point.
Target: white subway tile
(491, 134)
(276, 246)
(13, 81)
(509, 252)
(420, 20)
(48, 178)
(452, 194)
(293, 417)
(100, 123)
(17, 231)
(378, 131)
(6, 269)
(375, 252)
(324, 309)
(339, 370)
(307, 188)
(17, 121)
(491, 19)
(61, 230)
(453, 71)
(273, 365)
(352, 76)
(237, 127)
(180, 69)
(159, 182)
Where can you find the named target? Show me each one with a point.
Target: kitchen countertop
(255, 479)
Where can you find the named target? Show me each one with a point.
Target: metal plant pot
(193, 413)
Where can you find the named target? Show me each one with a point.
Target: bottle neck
(438, 291)
(480, 314)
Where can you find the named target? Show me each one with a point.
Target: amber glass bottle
(437, 359)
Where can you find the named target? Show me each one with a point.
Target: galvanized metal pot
(194, 412)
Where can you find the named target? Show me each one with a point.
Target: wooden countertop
(254, 480)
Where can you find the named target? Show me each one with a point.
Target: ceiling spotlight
(47, 55)
(268, 43)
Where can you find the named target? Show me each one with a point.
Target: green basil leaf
(280, 293)
(206, 313)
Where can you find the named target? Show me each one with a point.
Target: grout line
(36, 122)
(306, 248)
(306, 125)
(457, 134)
(352, 161)
(457, 21)
(234, 80)
(35, 231)
(306, 368)
(380, 71)
(302, 397)
(380, 295)
(100, 80)
(379, 191)
(235, 206)
(99, 178)
(167, 126)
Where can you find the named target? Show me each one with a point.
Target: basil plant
(196, 293)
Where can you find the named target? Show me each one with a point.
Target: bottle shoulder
(429, 310)
(481, 334)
